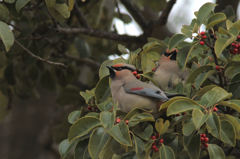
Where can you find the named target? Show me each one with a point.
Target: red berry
(126, 121)
(235, 50)
(202, 139)
(206, 139)
(238, 36)
(218, 67)
(138, 76)
(202, 43)
(134, 73)
(204, 37)
(89, 108)
(215, 109)
(156, 149)
(203, 135)
(154, 69)
(233, 44)
(202, 33)
(206, 145)
(118, 120)
(153, 137)
(236, 46)
(154, 146)
(161, 141)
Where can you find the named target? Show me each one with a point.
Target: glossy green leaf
(107, 105)
(202, 78)
(181, 105)
(197, 72)
(215, 19)
(144, 132)
(234, 104)
(214, 125)
(6, 35)
(214, 96)
(82, 127)
(73, 116)
(4, 12)
(235, 122)
(192, 145)
(107, 151)
(81, 150)
(20, 4)
(169, 102)
(137, 118)
(120, 133)
(161, 126)
(148, 60)
(205, 89)
(166, 152)
(102, 91)
(198, 118)
(204, 12)
(65, 147)
(228, 133)
(175, 40)
(183, 55)
(215, 151)
(221, 43)
(107, 119)
(97, 141)
(188, 128)
(63, 10)
(88, 94)
(138, 144)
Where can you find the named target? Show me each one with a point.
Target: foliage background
(37, 90)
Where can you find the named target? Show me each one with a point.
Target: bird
(168, 74)
(128, 92)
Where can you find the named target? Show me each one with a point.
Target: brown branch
(103, 34)
(165, 13)
(136, 14)
(39, 58)
(81, 18)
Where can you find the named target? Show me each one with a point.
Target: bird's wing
(145, 89)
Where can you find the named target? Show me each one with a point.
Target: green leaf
(107, 151)
(204, 12)
(145, 132)
(175, 40)
(88, 95)
(214, 96)
(166, 152)
(65, 147)
(166, 104)
(137, 118)
(222, 42)
(6, 35)
(202, 78)
(20, 4)
(148, 60)
(214, 125)
(161, 126)
(71, 4)
(215, 151)
(181, 105)
(197, 72)
(183, 55)
(234, 104)
(97, 141)
(63, 10)
(80, 151)
(107, 119)
(73, 116)
(82, 127)
(215, 19)
(188, 128)
(120, 133)
(138, 144)
(192, 145)
(102, 91)
(198, 118)
(4, 12)
(205, 89)
(123, 49)
(227, 133)
(9, 1)
(235, 122)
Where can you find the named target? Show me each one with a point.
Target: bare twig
(103, 34)
(136, 13)
(165, 13)
(81, 18)
(39, 58)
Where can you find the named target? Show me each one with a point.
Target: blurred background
(36, 95)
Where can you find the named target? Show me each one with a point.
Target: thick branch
(165, 13)
(81, 18)
(102, 34)
(136, 13)
(39, 58)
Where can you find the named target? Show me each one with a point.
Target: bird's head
(121, 70)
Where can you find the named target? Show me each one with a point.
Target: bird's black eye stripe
(123, 67)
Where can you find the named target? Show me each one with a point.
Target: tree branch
(39, 58)
(165, 13)
(102, 34)
(136, 14)
(81, 18)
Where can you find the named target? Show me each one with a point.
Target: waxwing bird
(128, 92)
(168, 74)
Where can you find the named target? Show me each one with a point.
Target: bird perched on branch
(129, 92)
(168, 74)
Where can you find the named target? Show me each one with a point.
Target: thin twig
(165, 13)
(103, 34)
(81, 18)
(38, 57)
(136, 13)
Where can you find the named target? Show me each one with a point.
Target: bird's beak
(111, 71)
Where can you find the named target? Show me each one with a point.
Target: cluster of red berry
(204, 140)
(92, 109)
(235, 47)
(203, 36)
(136, 74)
(156, 142)
(215, 109)
(118, 120)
